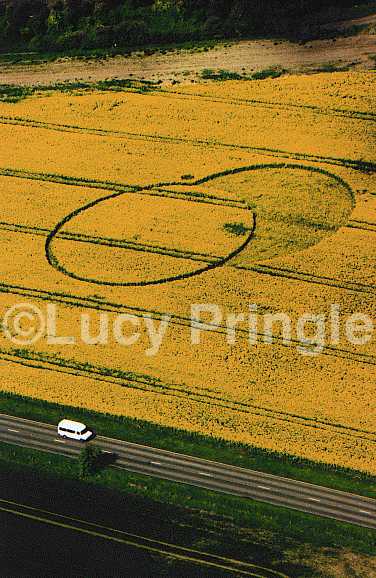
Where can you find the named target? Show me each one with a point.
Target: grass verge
(180, 441)
(281, 529)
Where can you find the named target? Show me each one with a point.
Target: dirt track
(185, 66)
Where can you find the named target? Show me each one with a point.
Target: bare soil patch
(186, 66)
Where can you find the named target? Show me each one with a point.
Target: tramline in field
(104, 221)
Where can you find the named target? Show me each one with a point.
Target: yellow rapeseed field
(344, 91)
(244, 192)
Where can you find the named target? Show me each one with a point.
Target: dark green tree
(89, 460)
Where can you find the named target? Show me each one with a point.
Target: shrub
(89, 460)
(268, 73)
(209, 74)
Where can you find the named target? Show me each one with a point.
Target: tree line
(63, 25)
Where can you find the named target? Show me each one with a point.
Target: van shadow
(106, 459)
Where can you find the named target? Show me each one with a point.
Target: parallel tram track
(365, 166)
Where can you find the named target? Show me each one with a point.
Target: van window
(67, 430)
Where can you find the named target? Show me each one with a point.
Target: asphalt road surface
(215, 476)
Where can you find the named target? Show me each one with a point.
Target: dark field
(31, 548)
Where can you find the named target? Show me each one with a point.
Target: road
(215, 476)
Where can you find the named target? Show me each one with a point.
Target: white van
(73, 430)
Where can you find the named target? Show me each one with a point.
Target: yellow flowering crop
(274, 178)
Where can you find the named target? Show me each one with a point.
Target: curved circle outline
(54, 262)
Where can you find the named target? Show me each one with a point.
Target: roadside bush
(89, 460)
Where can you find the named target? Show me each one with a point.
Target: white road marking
(60, 441)
(156, 463)
(314, 499)
(206, 474)
(264, 487)
(14, 430)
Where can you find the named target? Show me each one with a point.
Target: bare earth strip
(185, 66)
